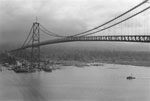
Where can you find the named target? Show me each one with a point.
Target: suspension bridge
(102, 32)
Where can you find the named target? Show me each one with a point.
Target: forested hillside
(94, 55)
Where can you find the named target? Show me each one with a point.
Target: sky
(68, 17)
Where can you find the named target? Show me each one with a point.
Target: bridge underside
(125, 38)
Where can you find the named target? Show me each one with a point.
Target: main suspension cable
(119, 22)
(27, 37)
(50, 33)
(45, 32)
(112, 19)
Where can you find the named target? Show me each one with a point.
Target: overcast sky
(65, 17)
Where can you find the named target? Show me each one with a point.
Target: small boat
(130, 77)
(47, 69)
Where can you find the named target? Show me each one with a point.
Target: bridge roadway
(119, 38)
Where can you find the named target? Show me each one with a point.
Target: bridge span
(119, 38)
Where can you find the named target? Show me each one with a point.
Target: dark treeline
(4, 58)
(97, 55)
(138, 58)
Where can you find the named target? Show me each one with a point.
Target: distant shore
(82, 57)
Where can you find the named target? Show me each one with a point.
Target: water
(102, 83)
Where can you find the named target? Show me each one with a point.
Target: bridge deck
(125, 38)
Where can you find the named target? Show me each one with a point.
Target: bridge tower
(35, 52)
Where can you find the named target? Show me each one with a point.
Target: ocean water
(93, 83)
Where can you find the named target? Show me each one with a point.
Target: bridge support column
(35, 52)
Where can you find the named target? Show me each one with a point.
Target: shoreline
(83, 64)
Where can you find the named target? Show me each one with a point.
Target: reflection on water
(103, 83)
